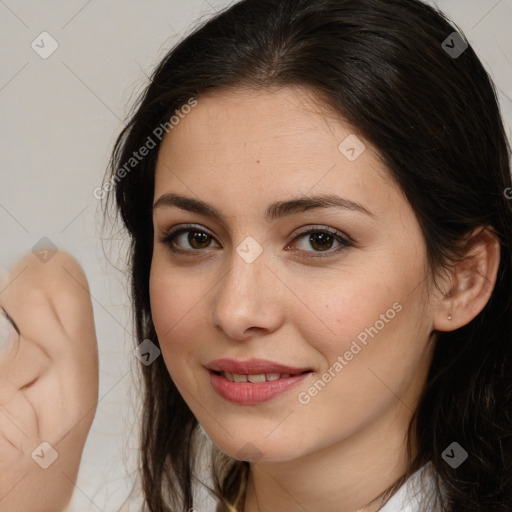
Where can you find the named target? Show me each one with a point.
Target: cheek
(343, 307)
(175, 300)
(366, 331)
(375, 349)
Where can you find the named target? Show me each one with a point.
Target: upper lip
(251, 367)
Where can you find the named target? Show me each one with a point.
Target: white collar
(414, 494)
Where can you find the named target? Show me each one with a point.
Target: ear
(470, 283)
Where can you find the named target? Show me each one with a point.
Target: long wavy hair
(434, 117)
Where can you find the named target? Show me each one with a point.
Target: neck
(347, 477)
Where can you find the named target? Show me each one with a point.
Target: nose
(247, 299)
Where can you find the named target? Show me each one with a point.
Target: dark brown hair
(434, 119)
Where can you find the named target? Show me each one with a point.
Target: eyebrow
(275, 211)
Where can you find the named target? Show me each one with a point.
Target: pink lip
(248, 393)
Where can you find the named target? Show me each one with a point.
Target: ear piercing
(450, 316)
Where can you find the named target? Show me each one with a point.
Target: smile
(258, 377)
(254, 381)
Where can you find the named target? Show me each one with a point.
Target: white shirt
(414, 494)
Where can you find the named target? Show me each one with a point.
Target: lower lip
(249, 393)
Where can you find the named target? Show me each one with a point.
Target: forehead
(226, 121)
(266, 143)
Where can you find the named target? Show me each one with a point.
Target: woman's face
(325, 338)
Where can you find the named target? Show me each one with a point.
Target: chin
(254, 448)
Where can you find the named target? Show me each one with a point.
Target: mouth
(253, 381)
(253, 367)
(256, 377)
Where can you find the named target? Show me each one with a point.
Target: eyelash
(170, 237)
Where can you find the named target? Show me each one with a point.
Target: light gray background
(60, 117)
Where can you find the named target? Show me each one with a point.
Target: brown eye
(321, 240)
(187, 239)
(198, 239)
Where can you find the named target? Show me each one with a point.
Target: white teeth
(259, 377)
(254, 378)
